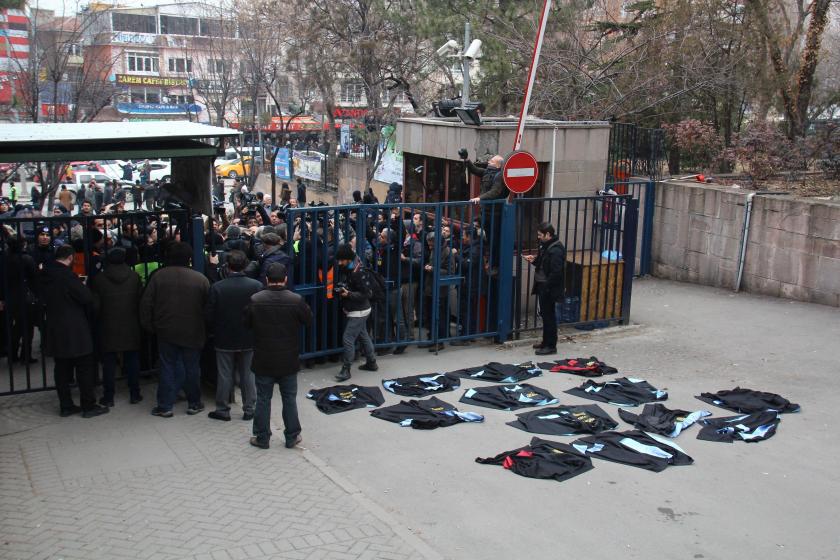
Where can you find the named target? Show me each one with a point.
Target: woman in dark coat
(117, 292)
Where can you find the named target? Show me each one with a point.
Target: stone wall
(793, 249)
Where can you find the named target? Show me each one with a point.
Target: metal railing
(635, 152)
(599, 236)
(23, 255)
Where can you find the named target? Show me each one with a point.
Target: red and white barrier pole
(532, 72)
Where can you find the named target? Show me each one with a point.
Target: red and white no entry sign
(520, 172)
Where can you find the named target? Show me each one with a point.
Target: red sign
(520, 172)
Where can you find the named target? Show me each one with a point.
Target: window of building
(399, 97)
(352, 92)
(216, 66)
(145, 95)
(134, 23)
(143, 62)
(173, 25)
(216, 28)
(152, 96)
(182, 99)
(180, 65)
(74, 49)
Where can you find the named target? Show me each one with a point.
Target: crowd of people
(120, 287)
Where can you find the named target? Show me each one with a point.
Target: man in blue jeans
(275, 316)
(172, 307)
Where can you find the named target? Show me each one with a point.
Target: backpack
(375, 284)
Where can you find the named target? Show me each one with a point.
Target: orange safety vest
(329, 283)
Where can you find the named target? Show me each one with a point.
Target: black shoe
(545, 351)
(97, 410)
(248, 416)
(344, 374)
(290, 443)
(70, 411)
(436, 347)
(158, 411)
(136, 399)
(538, 345)
(257, 443)
(195, 408)
(369, 365)
(106, 402)
(400, 350)
(216, 415)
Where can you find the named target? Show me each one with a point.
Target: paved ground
(128, 485)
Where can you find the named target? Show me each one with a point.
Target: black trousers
(549, 318)
(85, 367)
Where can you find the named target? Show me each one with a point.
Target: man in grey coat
(233, 341)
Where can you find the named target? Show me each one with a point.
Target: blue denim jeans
(179, 367)
(130, 367)
(262, 412)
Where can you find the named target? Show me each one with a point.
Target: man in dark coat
(355, 293)
(172, 307)
(276, 315)
(549, 281)
(117, 291)
(301, 192)
(273, 253)
(67, 333)
(234, 342)
(492, 188)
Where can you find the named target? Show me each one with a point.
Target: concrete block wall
(793, 249)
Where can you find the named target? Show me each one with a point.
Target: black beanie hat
(345, 253)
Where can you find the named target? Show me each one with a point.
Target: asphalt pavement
(128, 485)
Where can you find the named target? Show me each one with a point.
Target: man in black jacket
(233, 342)
(67, 333)
(548, 284)
(117, 293)
(276, 315)
(355, 293)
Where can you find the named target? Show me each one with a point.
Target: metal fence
(24, 250)
(635, 152)
(439, 263)
(645, 192)
(599, 235)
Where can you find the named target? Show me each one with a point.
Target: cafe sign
(130, 80)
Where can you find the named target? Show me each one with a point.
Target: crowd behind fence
(451, 272)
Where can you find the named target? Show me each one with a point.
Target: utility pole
(465, 68)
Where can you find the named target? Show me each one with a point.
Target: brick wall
(793, 249)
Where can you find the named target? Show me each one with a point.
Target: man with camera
(355, 292)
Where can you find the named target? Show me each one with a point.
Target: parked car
(83, 178)
(236, 168)
(161, 170)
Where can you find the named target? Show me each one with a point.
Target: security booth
(572, 161)
(190, 147)
(572, 155)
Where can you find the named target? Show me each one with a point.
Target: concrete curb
(374, 508)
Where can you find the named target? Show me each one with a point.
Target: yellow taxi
(238, 167)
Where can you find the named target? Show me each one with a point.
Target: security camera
(448, 47)
(474, 50)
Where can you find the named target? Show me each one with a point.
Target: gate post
(631, 224)
(198, 244)
(647, 229)
(506, 270)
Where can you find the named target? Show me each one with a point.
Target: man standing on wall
(549, 263)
